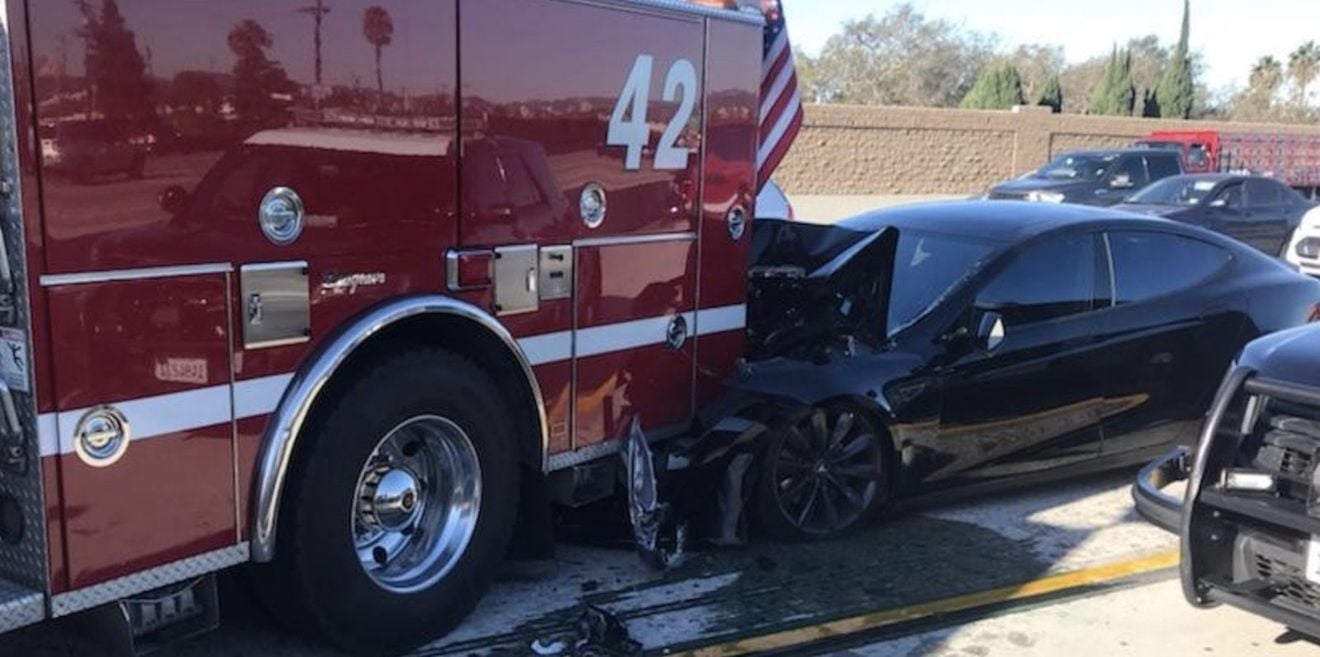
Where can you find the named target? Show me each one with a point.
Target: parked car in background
(939, 346)
(83, 150)
(1303, 250)
(1100, 178)
(1247, 519)
(1258, 211)
(1292, 158)
(773, 203)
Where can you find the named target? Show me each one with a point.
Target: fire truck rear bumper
(1156, 506)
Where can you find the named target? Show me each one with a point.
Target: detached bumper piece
(1250, 522)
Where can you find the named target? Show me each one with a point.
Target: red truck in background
(1291, 157)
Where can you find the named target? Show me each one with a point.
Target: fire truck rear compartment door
(583, 127)
(150, 359)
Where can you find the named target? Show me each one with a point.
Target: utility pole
(317, 12)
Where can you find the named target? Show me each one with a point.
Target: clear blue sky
(1230, 34)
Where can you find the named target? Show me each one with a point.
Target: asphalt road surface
(1036, 572)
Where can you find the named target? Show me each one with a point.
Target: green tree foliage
(1052, 95)
(259, 81)
(999, 87)
(1176, 95)
(1116, 95)
(116, 70)
(1303, 69)
(900, 58)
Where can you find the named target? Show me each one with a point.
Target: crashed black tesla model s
(920, 350)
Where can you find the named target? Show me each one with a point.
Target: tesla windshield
(927, 266)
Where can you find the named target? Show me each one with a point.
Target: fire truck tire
(399, 507)
(823, 474)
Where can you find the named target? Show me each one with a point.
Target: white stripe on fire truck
(611, 338)
(162, 415)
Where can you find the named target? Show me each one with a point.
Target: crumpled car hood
(812, 281)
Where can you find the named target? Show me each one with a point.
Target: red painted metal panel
(717, 358)
(249, 433)
(126, 340)
(732, 119)
(653, 383)
(169, 498)
(556, 380)
(227, 108)
(625, 283)
(537, 104)
(55, 555)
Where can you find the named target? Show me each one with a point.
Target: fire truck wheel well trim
(63, 604)
(283, 429)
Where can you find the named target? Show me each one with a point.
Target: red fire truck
(1291, 157)
(378, 282)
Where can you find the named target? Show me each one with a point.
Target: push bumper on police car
(1249, 519)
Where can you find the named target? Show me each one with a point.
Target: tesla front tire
(399, 509)
(823, 475)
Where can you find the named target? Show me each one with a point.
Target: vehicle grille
(1288, 448)
(1287, 581)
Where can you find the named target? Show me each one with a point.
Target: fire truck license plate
(1313, 559)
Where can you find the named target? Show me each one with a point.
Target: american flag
(781, 103)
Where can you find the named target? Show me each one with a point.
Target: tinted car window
(926, 267)
(1149, 265)
(1229, 198)
(1133, 169)
(1263, 193)
(1048, 281)
(1163, 166)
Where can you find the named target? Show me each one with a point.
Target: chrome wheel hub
(417, 502)
(395, 502)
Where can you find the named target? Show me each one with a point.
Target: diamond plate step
(19, 606)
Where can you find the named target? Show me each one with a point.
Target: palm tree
(1266, 75)
(1304, 68)
(378, 28)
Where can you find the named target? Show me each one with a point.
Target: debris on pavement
(597, 633)
(649, 516)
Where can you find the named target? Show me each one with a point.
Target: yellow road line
(880, 619)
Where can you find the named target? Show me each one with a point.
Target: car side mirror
(990, 331)
(1219, 203)
(173, 200)
(1122, 181)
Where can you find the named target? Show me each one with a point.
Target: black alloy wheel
(822, 476)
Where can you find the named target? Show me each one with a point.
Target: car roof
(1000, 221)
(1106, 152)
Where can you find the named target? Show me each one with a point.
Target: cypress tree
(1052, 96)
(999, 87)
(1103, 95)
(1177, 91)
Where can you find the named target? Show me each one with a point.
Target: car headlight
(1046, 197)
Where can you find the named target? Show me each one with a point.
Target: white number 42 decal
(629, 127)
